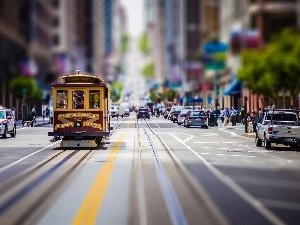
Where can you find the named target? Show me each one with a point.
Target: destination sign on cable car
(80, 79)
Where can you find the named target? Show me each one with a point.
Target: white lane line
(229, 142)
(223, 148)
(206, 142)
(230, 132)
(155, 123)
(20, 160)
(206, 147)
(205, 153)
(189, 138)
(236, 188)
(246, 156)
(281, 204)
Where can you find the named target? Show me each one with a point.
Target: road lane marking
(129, 123)
(236, 188)
(189, 138)
(92, 203)
(206, 142)
(20, 160)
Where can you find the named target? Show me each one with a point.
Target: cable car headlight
(78, 124)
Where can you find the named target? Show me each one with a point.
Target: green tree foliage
(153, 95)
(171, 94)
(125, 43)
(148, 70)
(26, 86)
(144, 44)
(276, 68)
(116, 91)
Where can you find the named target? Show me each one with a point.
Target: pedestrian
(33, 116)
(47, 112)
(242, 114)
(260, 115)
(14, 112)
(233, 115)
(226, 116)
(254, 120)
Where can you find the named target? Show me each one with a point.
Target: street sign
(215, 55)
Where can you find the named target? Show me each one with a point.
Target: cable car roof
(82, 78)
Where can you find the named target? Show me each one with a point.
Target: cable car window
(94, 97)
(78, 99)
(62, 99)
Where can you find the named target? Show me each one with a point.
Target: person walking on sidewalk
(233, 116)
(226, 116)
(33, 116)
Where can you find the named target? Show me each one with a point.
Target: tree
(144, 44)
(124, 43)
(274, 69)
(25, 86)
(148, 70)
(116, 91)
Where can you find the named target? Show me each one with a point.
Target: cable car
(81, 104)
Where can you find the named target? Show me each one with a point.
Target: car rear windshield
(197, 113)
(282, 117)
(143, 110)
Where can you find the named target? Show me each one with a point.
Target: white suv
(7, 123)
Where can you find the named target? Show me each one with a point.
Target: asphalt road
(173, 175)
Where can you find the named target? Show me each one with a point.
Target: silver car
(196, 118)
(7, 123)
(181, 117)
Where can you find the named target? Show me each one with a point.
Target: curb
(40, 124)
(252, 135)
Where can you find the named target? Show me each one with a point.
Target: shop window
(94, 97)
(78, 99)
(62, 99)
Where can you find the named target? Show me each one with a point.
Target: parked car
(172, 111)
(114, 111)
(196, 118)
(182, 115)
(7, 123)
(143, 113)
(174, 115)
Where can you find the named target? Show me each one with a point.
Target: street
(148, 172)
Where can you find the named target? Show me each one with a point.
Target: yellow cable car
(80, 110)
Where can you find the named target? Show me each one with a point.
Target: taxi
(7, 123)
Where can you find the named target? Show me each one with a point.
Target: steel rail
(173, 205)
(27, 187)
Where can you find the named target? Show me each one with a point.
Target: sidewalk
(239, 129)
(39, 122)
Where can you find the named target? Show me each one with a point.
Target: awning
(234, 88)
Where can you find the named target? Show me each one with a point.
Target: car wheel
(258, 141)
(4, 135)
(267, 144)
(14, 133)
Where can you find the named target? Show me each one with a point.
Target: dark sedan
(196, 118)
(143, 113)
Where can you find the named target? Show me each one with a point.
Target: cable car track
(32, 190)
(175, 202)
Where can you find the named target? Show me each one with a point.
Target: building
(269, 17)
